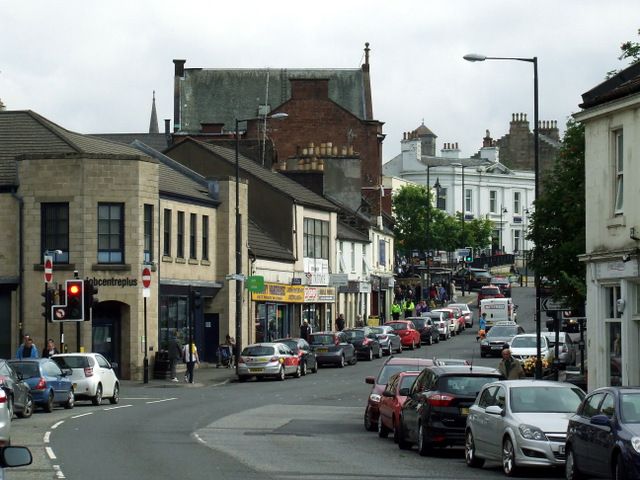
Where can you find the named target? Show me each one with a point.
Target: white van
(498, 310)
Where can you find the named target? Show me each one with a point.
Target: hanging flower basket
(529, 366)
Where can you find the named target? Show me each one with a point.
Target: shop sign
(317, 279)
(319, 294)
(339, 280)
(276, 292)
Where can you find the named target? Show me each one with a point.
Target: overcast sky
(92, 66)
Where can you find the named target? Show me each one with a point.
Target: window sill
(114, 267)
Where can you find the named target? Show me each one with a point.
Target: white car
(5, 418)
(441, 321)
(466, 311)
(524, 347)
(93, 376)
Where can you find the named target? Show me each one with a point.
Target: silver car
(274, 360)
(93, 377)
(466, 311)
(567, 348)
(5, 418)
(389, 341)
(521, 423)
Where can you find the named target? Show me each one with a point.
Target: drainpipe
(20, 261)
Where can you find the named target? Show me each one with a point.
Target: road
(306, 428)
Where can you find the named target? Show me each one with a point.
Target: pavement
(207, 374)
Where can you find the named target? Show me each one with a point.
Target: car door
(387, 401)
(107, 375)
(582, 430)
(415, 404)
(477, 417)
(601, 439)
(347, 347)
(59, 383)
(494, 424)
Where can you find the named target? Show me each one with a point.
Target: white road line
(59, 473)
(56, 425)
(160, 401)
(116, 408)
(82, 415)
(47, 435)
(49, 450)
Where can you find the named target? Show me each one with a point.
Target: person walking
(28, 350)
(396, 310)
(305, 330)
(50, 349)
(340, 322)
(190, 355)
(482, 327)
(510, 367)
(408, 307)
(175, 354)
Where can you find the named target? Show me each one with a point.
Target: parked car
(389, 341)
(452, 317)
(365, 342)
(498, 338)
(308, 361)
(567, 349)
(489, 291)
(474, 278)
(50, 385)
(441, 321)
(333, 348)
(406, 330)
(19, 399)
(520, 423)
(466, 311)
(503, 283)
(389, 367)
(14, 457)
(603, 436)
(5, 419)
(462, 321)
(524, 347)
(449, 361)
(393, 396)
(429, 333)
(93, 375)
(435, 411)
(274, 360)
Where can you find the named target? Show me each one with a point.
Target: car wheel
(571, 471)
(483, 355)
(379, 352)
(402, 443)
(116, 395)
(368, 424)
(424, 448)
(383, 432)
(354, 359)
(298, 372)
(413, 345)
(281, 374)
(619, 469)
(28, 408)
(430, 340)
(470, 452)
(508, 458)
(97, 398)
(71, 400)
(48, 405)
(419, 345)
(303, 368)
(315, 367)
(399, 348)
(370, 355)
(396, 432)
(342, 362)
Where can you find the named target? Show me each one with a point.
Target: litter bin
(373, 320)
(162, 365)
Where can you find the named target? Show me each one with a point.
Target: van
(498, 310)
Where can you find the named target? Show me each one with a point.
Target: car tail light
(366, 341)
(2, 381)
(88, 371)
(241, 360)
(42, 384)
(300, 353)
(440, 400)
(3, 396)
(383, 337)
(565, 349)
(336, 341)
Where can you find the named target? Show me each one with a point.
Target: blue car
(49, 384)
(603, 437)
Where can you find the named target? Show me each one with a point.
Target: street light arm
(476, 57)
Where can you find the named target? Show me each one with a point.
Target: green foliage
(557, 225)
(411, 210)
(629, 50)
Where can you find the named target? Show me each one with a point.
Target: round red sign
(48, 270)
(146, 277)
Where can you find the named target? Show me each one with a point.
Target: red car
(389, 367)
(406, 330)
(393, 396)
(489, 291)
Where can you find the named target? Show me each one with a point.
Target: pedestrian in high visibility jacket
(408, 308)
(396, 310)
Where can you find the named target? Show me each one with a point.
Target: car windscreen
(389, 370)
(257, 351)
(465, 385)
(378, 330)
(545, 399)
(321, 340)
(398, 326)
(293, 345)
(502, 332)
(354, 333)
(27, 369)
(419, 323)
(524, 342)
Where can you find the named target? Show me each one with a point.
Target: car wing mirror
(404, 391)
(15, 457)
(601, 420)
(114, 365)
(370, 380)
(387, 393)
(494, 410)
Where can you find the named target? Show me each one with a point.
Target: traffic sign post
(146, 292)
(548, 303)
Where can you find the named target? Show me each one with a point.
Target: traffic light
(49, 301)
(75, 300)
(196, 299)
(469, 256)
(89, 299)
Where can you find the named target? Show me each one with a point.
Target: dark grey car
(498, 338)
(429, 333)
(333, 348)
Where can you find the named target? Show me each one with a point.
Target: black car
(498, 337)
(429, 333)
(308, 360)
(474, 278)
(435, 411)
(365, 342)
(18, 392)
(503, 283)
(602, 436)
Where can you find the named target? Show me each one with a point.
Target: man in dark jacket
(175, 354)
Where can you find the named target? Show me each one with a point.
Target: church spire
(153, 124)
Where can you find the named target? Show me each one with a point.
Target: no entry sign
(48, 269)
(146, 277)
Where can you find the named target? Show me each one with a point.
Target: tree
(629, 50)
(557, 226)
(411, 210)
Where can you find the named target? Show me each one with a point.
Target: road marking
(57, 424)
(49, 450)
(58, 471)
(160, 401)
(82, 415)
(116, 408)
(47, 435)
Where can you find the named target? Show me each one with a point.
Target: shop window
(110, 233)
(55, 230)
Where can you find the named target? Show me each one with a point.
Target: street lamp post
(429, 167)
(474, 57)
(239, 275)
(462, 208)
(503, 209)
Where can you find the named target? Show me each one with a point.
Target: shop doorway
(106, 331)
(211, 338)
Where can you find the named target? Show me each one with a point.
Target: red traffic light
(75, 300)
(73, 289)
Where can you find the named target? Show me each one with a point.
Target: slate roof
(157, 141)
(345, 232)
(623, 84)
(222, 95)
(263, 245)
(25, 132)
(282, 183)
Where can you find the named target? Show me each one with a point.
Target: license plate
(498, 347)
(322, 350)
(75, 385)
(256, 370)
(561, 449)
(464, 411)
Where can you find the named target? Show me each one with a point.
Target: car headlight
(374, 397)
(635, 443)
(484, 342)
(532, 433)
